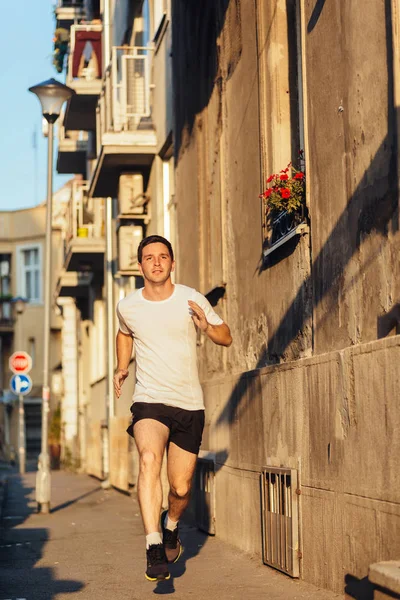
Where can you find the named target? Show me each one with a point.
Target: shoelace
(156, 554)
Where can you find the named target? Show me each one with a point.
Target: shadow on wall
(316, 13)
(389, 322)
(359, 589)
(373, 207)
(197, 26)
(24, 547)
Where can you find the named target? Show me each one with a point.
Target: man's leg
(181, 465)
(151, 438)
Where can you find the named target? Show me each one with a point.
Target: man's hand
(119, 379)
(198, 316)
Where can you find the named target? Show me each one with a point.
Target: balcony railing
(85, 58)
(76, 139)
(124, 104)
(69, 12)
(6, 317)
(69, 4)
(85, 217)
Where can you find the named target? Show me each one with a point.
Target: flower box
(284, 210)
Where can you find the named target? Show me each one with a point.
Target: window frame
(21, 272)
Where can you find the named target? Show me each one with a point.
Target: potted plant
(284, 201)
(61, 43)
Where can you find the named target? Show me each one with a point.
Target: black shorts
(185, 426)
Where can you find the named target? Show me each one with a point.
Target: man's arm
(219, 334)
(124, 344)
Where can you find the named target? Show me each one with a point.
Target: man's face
(157, 264)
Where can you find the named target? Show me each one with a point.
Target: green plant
(61, 43)
(286, 191)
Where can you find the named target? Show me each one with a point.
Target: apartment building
(22, 243)
(182, 112)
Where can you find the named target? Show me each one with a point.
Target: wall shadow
(22, 548)
(359, 589)
(316, 13)
(196, 27)
(389, 322)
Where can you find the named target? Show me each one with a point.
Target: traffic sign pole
(21, 435)
(21, 384)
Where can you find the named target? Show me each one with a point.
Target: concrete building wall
(254, 82)
(335, 418)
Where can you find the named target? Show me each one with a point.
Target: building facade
(22, 246)
(182, 112)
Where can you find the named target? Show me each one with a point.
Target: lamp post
(52, 94)
(19, 308)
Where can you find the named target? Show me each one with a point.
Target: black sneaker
(157, 568)
(172, 544)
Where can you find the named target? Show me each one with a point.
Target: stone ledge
(386, 575)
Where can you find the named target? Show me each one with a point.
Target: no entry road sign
(20, 362)
(20, 384)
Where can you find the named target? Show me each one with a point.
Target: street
(92, 546)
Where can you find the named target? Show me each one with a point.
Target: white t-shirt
(165, 344)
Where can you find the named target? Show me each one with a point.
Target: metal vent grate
(205, 495)
(280, 520)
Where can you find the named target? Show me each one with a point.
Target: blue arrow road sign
(21, 384)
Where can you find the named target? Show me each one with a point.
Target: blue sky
(26, 46)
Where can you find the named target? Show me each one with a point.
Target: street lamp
(52, 94)
(19, 308)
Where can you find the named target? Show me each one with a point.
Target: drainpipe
(109, 289)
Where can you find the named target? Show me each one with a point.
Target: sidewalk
(92, 546)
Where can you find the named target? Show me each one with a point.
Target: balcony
(125, 134)
(72, 149)
(84, 241)
(69, 12)
(84, 75)
(73, 284)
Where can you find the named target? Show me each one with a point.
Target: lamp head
(52, 94)
(19, 304)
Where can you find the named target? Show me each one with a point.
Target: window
(30, 268)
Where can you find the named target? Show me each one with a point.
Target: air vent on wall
(280, 519)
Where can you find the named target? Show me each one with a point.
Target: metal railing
(75, 136)
(69, 4)
(6, 317)
(124, 103)
(88, 65)
(85, 217)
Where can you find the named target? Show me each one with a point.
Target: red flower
(270, 178)
(299, 175)
(267, 193)
(283, 177)
(285, 193)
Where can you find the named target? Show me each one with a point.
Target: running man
(168, 408)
